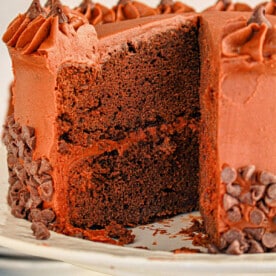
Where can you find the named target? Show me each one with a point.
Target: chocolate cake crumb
(186, 250)
(196, 233)
(119, 232)
(40, 231)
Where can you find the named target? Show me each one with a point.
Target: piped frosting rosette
(270, 7)
(254, 39)
(28, 31)
(170, 6)
(96, 13)
(227, 5)
(128, 9)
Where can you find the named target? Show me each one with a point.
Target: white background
(10, 8)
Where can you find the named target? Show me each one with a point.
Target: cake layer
(151, 174)
(142, 82)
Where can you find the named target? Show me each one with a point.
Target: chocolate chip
(12, 179)
(46, 190)
(258, 16)
(31, 142)
(246, 198)
(248, 172)
(58, 10)
(35, 215)
(212, 249)
(229, 202)
(16, 188)
(254, 233)
(256, 216)
(267, 178)
(271, 191)
(263, 207)
(24, 196)
(27, 132)
(270, 202)
(17, 210)
(21, 147)
(234, 248)
(31, 182)
(233, 234)
(35, 198)
(234, 214)
(255, 247)
(274, 220)
(34, 167)
(47, 216)
(269, 240)
(45, 166)
(40, 231)
(228, 175)
(233, 189)
(42, 178)
(11, 160)
(257, 192)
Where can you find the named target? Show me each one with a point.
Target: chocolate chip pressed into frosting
(30, 180)
(249, 204)
(258, 16)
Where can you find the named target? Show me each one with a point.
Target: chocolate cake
(121, 124)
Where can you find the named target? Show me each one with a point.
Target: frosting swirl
(96, 13)
(21, 22)
(270, 7)
(28, 31)
(227, 5)
(254, 39)
(128, 9)
(170, 6)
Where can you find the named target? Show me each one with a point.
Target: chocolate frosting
(254, 38)
(227, 5)
(170, 6)
(96, 13)
(132, 9)
(20, 23)
(28, 31)
(270, 7)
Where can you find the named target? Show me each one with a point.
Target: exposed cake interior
(142, 106)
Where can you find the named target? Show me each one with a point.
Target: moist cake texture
(157, 113)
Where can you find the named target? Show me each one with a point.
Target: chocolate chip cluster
(250, 206)
(30, 180)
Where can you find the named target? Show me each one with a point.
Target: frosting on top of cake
(171, 6)
(270, 7)
(96, 13)
(254, 38)
(227, 5)
(36, 30)
(128, 9)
